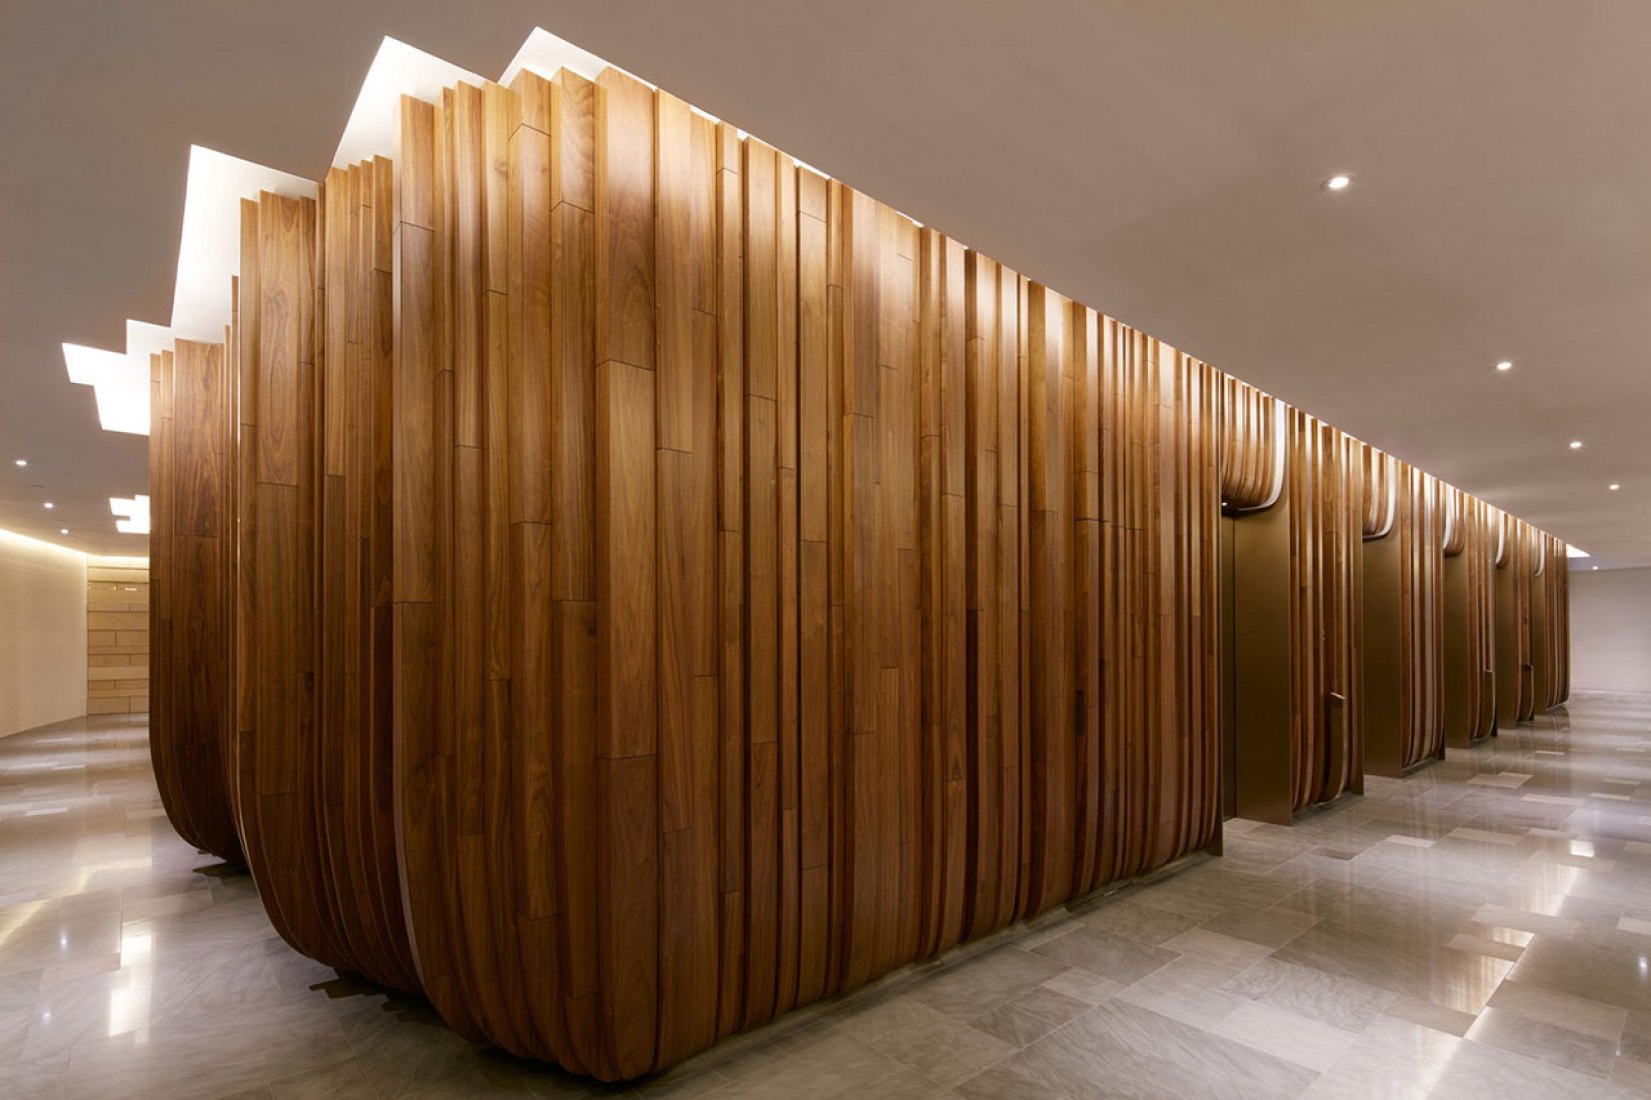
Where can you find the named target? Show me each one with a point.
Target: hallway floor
(1482, 928)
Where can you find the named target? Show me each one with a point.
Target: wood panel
(351, 320)
(759, 450)
(1252, 451)
(304, 639)
(1515, 679)
(1403, 619)
(1292, 505)
(1550, 624)
(672, 587)
(188, 612)
(1469, 619)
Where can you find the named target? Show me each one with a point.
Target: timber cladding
(189, 613)
(1292, 488)
(669, 587)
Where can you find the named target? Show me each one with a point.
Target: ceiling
(1161, 160)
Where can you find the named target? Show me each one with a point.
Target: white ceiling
(1158, 159)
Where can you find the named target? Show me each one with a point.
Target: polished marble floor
(1480, 929)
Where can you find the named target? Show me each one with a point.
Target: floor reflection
(1481, 928)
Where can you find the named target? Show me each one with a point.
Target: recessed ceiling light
(1615, 486)
(49, 504)
(63, 530)
(1595, 568)
(1339, 182)
(1505, 365)
(22, 462)
(1576, 444)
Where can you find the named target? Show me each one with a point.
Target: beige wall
(1611, 629)
(42, 633)
(117, 635)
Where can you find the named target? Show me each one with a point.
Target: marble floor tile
(1132, 919)
(1549, 1042)
(1030, 1016)
(1428, 1014)
(940, 1047)
(985, 981)
(1083, 986)
(1271, 927)
(1203, 943)
(1102, 953)
(1120, 1049)
(1306, 991)
(1188, 990)
(1298, 1039)
(1479, 928)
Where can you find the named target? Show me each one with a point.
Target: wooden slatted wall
(671, 587)
(1515, 696)
(1469, 693)
(1420, 529)
(1550, 625)
(754, 591)
(1321, 484)
(189, 619)
(1251, 421)
(1325, 484)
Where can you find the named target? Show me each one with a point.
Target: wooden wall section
(1550, 625)
(313, 615)
(190, 685)
(668, 587)
(1403, 621)
(117, 635)
(672, 587)
(755, 505)
(1251, 451)
(1469, 618)
(1326, 588)
(1515, 678)
(1293, 496)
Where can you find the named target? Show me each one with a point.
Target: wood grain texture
(1251, 423)
(1403, 619)
(1550, 624)
(672, 587)
(189, 740)
(749, 431)
(1469, 619)
(1293, 497)
(1515, 675)
(313, 748)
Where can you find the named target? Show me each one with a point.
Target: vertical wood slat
(686, 408)
(277, 746)
(627, 757)
(189, 622)
(1318, 488)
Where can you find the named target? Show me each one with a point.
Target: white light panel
(131, 514)
(122, 392)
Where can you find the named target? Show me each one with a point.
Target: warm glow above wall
(12, 538)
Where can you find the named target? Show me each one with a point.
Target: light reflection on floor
(1482, 928)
